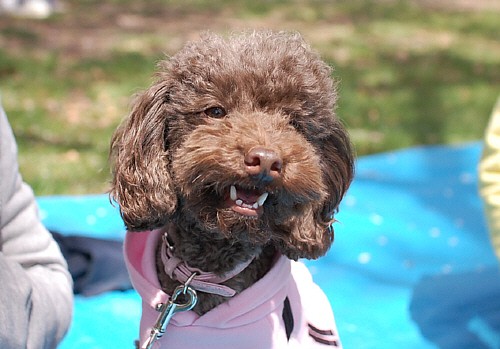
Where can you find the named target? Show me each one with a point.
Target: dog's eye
(215, 112)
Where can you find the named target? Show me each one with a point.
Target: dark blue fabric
(96, 265)
(411, 267)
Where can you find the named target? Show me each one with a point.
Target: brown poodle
(236, 157)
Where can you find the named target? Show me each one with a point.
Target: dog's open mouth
(247, 202)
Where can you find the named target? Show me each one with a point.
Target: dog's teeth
(233, 193)
(262, 199)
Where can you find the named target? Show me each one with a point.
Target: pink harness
(284, 309)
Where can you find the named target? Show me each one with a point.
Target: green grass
(409, 74)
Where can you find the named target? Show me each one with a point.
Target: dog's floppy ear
(141, 182)
(338, 172)
(337, 161)
(313, 235)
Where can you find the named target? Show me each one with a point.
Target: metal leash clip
(169, 309)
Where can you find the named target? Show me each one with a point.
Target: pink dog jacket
(284, 309)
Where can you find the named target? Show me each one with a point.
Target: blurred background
(410, 72)
(418, 274)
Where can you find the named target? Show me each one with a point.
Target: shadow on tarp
(459, 310)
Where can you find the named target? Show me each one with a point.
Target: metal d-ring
(190, 302)
(188, 282)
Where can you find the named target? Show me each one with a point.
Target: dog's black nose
(263, 164)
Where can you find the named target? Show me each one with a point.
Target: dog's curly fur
(188, 139)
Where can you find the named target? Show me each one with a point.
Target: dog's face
(237, 137)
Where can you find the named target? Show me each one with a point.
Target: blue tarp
(411, 267)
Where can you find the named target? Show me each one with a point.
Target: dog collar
(200, 280)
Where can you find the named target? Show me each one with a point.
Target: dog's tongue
(248, 196)
(247, 202)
